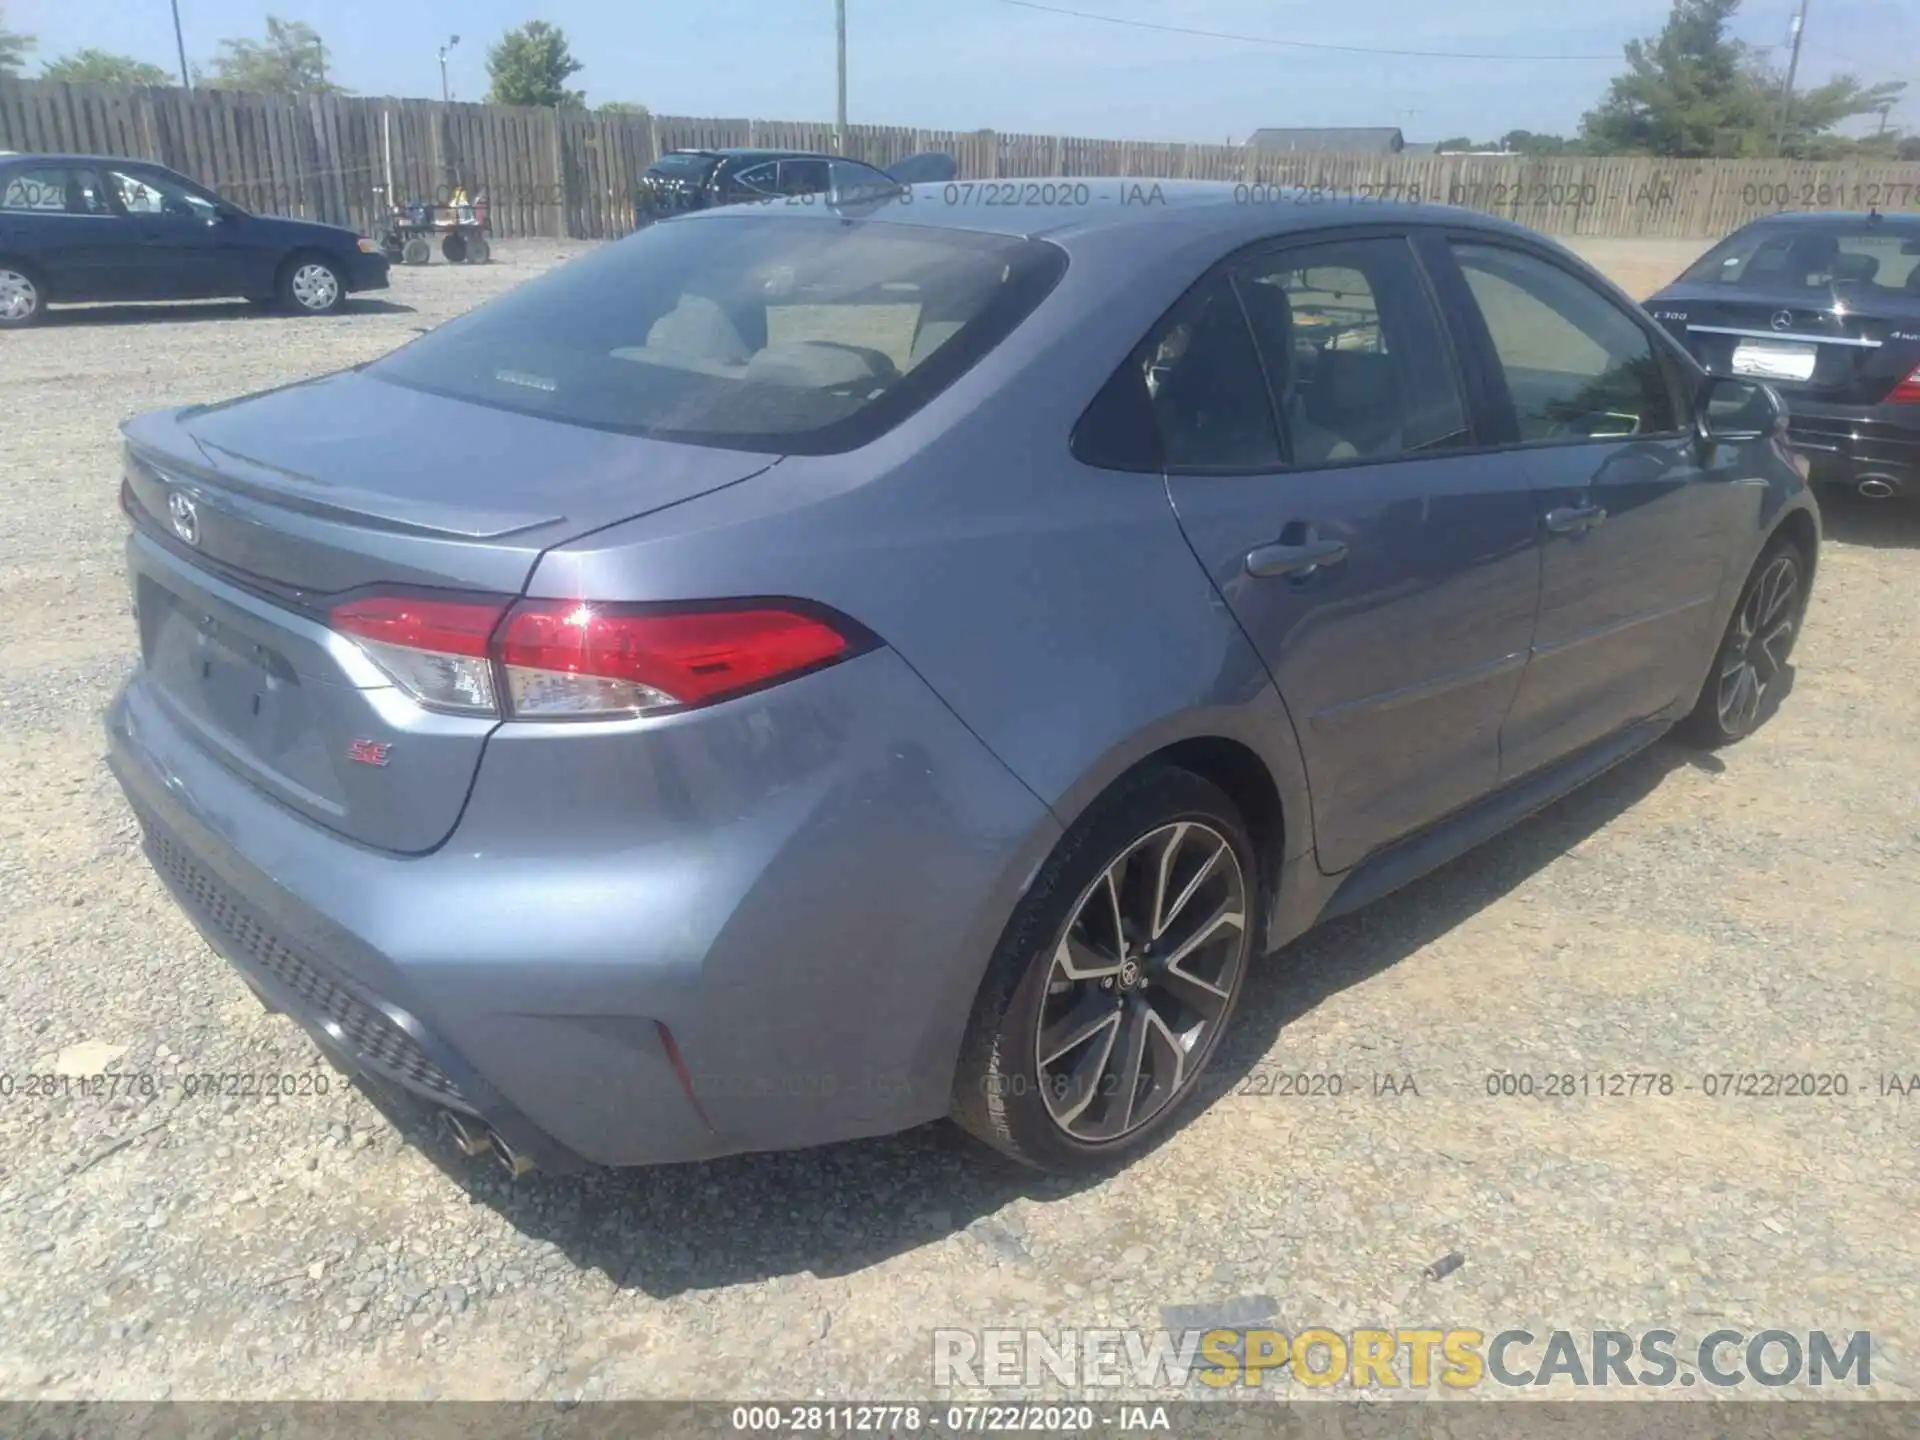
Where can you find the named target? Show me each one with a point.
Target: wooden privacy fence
(571, 173)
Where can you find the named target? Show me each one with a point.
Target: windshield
(789, 335)
(1813, 258)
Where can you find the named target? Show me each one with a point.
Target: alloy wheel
(1140, 981)
(1757, 649)
(18, 298)
(315, 287)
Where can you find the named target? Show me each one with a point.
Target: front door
(1634, 528)
(180, 247)
(1386, 569)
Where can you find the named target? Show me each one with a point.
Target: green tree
(1690, 92)
(531, 66)
(1910, 148)
(291, 60)
(103, 67)
(1527, 142)
(13, 47)
(619, 107)
(1811, 115)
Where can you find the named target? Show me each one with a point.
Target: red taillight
(574, 657)
(452, 627)
(1907, 392)
(566, 658)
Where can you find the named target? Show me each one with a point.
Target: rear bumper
(807, 924)
(1847, 445)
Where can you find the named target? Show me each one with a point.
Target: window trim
(1504, 413)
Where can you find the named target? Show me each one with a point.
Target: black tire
(478, 250)
(312, 284)
(417, 251)
(454, 247)
(1742, 685)
(23, 297)
(1004, 1092)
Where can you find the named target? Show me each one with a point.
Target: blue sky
(967, 64)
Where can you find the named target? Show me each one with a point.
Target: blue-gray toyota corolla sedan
(810, 669)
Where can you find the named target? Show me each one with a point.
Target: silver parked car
(805, 671)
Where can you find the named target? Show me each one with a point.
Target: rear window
(754, 332)
(683, 167)
(1813, 258)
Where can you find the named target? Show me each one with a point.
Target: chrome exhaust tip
(469, 1134)
(517, 1165)
(1877, 487)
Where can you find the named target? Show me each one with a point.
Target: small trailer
(407, 234)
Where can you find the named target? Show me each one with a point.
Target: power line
(1290, 44)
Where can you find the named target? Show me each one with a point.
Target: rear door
(1636, 532)
(180, 248)
(1385, 566)
(59, 219)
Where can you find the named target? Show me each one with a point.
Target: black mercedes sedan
(701, 179)
(1825, 307)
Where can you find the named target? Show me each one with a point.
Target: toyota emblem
(186, 520)
(1783, 319)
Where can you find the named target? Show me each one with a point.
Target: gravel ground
(1756, 911)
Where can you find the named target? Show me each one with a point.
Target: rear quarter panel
(1057, 609)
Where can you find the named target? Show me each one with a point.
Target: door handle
(1268, 561)
(1575, 519)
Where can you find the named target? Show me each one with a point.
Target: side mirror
(1728, 409)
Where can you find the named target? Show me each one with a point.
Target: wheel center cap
(1129, 974)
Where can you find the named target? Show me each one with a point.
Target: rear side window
(38, 189)
(1191, 397)
(1577, 367)
(785, 334)
(1354, 352)
(1814, 258)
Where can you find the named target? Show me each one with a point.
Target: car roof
(756, 152)
(46, 158)
(1859, 218)
(1063, 210)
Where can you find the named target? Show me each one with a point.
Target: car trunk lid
(253, 519)
(1827, 349)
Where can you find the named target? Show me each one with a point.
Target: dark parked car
(1825, 308)
(79, 227)
(785, 677)
(700, 179)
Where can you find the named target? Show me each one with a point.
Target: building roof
(1367, 140)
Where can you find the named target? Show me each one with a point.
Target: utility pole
(840, 49)
(446, 94)
(1793, 66)
(179, 39)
